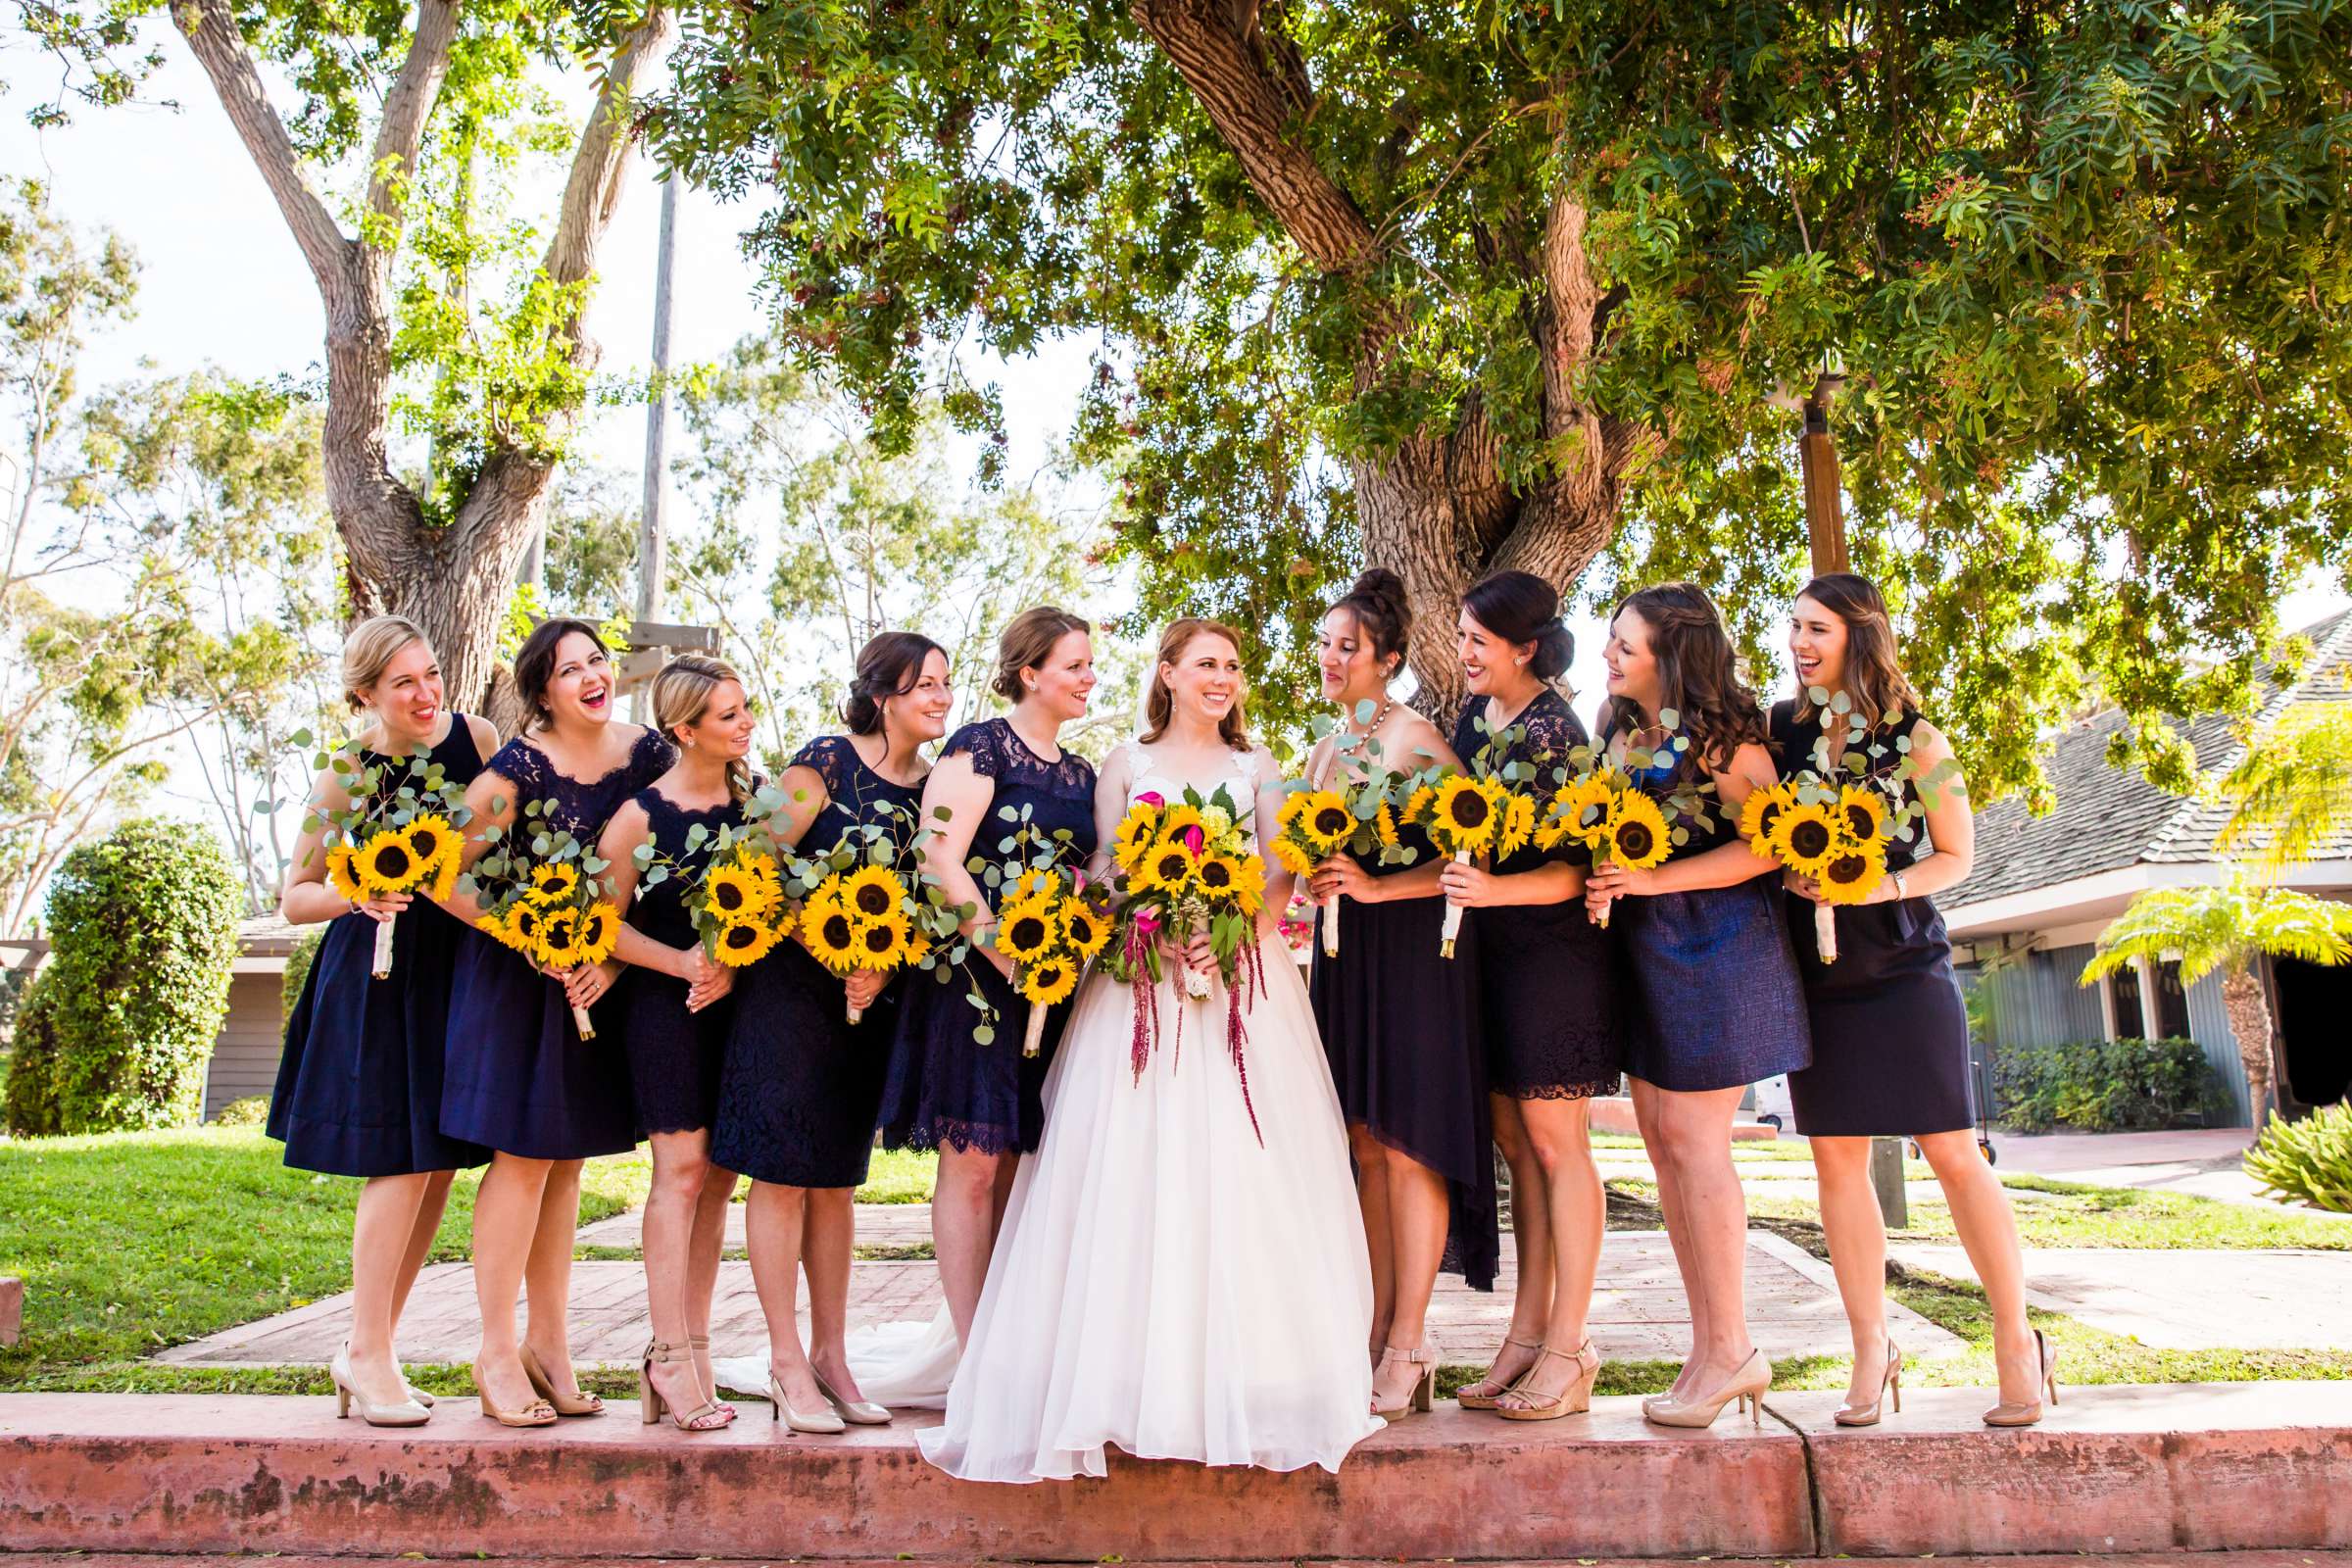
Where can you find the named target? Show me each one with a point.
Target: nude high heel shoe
(1489, 1402)
(825, 1422)
(2009, 1414)
(1744, 1389)
(860, 1412)
(561, 1403)
(1417, 1400)
(1890, 1385)
(1574, 1399)
(406, 1413)
(537, 1414)
(652, 1402)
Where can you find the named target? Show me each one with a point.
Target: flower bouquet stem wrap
(542, 897)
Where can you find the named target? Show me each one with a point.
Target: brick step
(2116, 1469)
(2136, 1559)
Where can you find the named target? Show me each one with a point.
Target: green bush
(2104, 1085)
(251, 1112)
(115, 1029)
(2307, 1161)
(297, 969)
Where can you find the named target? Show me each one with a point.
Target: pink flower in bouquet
(1146, 921)
(1195, 841)
(1151, 798)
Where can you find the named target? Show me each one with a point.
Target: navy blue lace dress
(673, 1055)
(945, 1088)
(802, 1089)
(1889, 1030)
(1711, 999)
(358, 1086)
(1548, 975)
(520, 1078)
(1400, 1029)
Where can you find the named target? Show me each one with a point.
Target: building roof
(2108, 818)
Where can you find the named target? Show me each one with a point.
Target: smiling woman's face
(1205, 681)
(1817, 638)
(580, 688)
(1066, 679)
(406, 697)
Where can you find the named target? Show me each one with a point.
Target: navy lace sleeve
(521, 764)
(984, 744)
(831, 759)
(649, 758)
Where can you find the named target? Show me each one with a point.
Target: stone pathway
(2201, 1161)
(2183, 1300)
(1638, 1311)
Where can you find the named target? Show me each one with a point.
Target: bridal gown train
(1165, 1282)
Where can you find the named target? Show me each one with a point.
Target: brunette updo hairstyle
(1383, 618)
(1699, 674)
(535, 665)
(369, 649)
(1027, 643)
(1521, 607)
(888, 665)
(1159, 704)
(1874, 675)
(682, 695)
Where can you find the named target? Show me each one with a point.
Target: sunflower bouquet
(1048, 928)
(1468, 815)
(858, 911)
(1354, 814)
(1616, 819)
(401, 833)
(1188, 869)
(734, 892)
(541, 894)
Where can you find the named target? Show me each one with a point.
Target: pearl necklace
(1378, 719)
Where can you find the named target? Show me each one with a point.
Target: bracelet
(1900, 893)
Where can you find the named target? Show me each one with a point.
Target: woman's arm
(1268, 814)
(1725, 866)
(804, 800)
(964, 794)
(1110, 809)
(306, 899)
(618, 845)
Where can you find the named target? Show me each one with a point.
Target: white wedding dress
(1165, 1282)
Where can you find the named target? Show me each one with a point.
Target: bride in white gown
(1166, 1281)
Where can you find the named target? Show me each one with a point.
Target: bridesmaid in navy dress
(675, 1005)
(1548, 997)
(359, 1086)
(803, 1086)
(1890, 1033)
(520, 1081)
(1400, 1022)
(1711, 999)
(980, 1106)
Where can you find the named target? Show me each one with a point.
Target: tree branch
(591, 190)
(392, 162)
(211, 28)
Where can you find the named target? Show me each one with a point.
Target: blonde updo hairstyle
(1027, 643)
(682, 695)
(1159, 704)
(370, 650)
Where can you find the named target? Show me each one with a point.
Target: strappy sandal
(1572, 1399)
(652, 1402)
(1487, 1401)
(1416, 1400)
(701, 1343)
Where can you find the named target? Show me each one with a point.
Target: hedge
(115, 1031)
(2104, 1085)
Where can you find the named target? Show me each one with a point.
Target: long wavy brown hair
(1159, 704)
(1874, 676)
(1699, 674)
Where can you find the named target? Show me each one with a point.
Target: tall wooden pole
(650, 565)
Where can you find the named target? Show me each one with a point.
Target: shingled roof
(2107, 817)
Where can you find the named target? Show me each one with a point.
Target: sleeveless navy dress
(1889, 1030)
(801, 1087)
(521, 1079)
(1548, 975)
(944, 1087)
(1711, 999)
(358, 1086)
(1400, 1030)
(673, 1055)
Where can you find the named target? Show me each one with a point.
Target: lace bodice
(1238, 780)
(1058, 794)
(580, 807)
(854, 795)
(1542, 736)
(659, 910)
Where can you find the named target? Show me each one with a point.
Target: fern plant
(2307, 1161)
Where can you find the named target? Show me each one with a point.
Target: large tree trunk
(2249, 1013)
(455, 580)
(1436, 511)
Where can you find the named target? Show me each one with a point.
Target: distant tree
(1518, 283)
(2290, 797)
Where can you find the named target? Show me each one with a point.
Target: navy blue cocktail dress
(673, 1055)
(1890, 1029)
(358, 1085)
(521, 1079)
(1548, 975)
(1711, 999)
(802, 1088)
(946, 1088)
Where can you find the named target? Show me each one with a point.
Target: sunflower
(1175, 819)
(1250, 882)
(736, 892)
(1219, 876)
(882, 944)
(597, 933)
(741, 942)
(553, 882)
(433, 841)
(1466, 815)
(1027, 931)
(873, 893)
(522, 927)
(1050, 982)
(1760, 813)
(1325, 821)
(1035, 883)
(1637, 833)
(1518, 823)
(1294, 859)
(557, 940)
(1168, 868)
(830, 933)
(1134, 837)
(386, 863)
(1086, 930)
(1584, 809)
(445, 878)
(1852, 870)
(1417, 803)
(1863, 812)
(342, 872)
(1384, 826)
(1804, 836)
(495, 928)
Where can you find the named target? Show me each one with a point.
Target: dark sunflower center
(592, 929)
(526, 921)
(1859, 823)
(1809, 838)
(836, 931)
(741, 936)
(1216, 875)
(1766, 818)
(880, 939)
(427, 843)
(873, 902)
(1845, 869)
(1636, 840)
(1470, 808)
(1048, 974)
(1028, 932)
(727, 896)
(1172, 864)
(392, 860)
(1331, 821)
